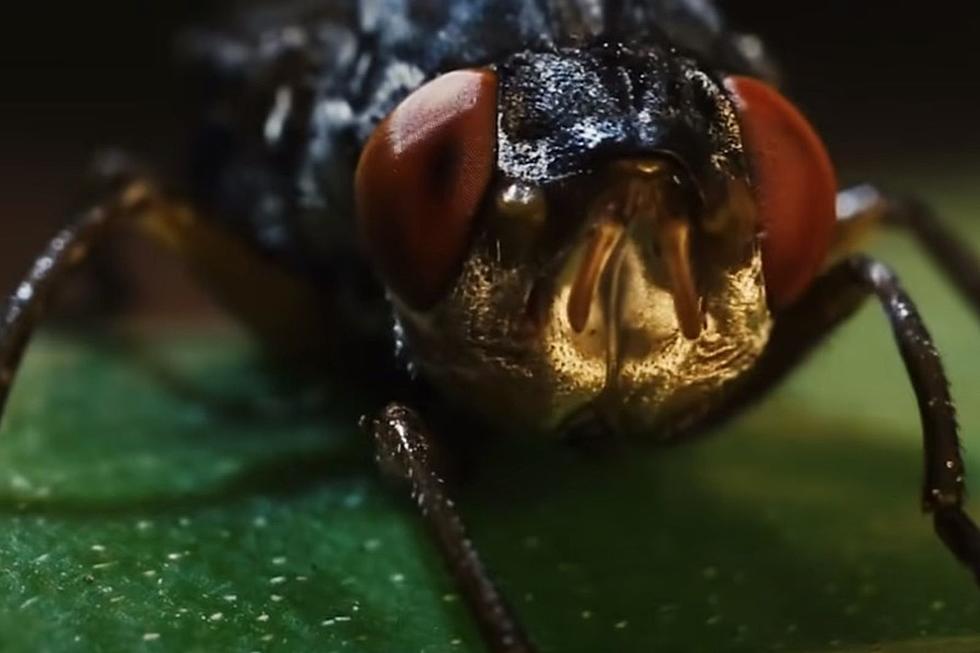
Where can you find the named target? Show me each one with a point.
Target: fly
(563, 215)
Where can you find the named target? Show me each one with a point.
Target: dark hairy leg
(25, 307)
(282, 310)
(862, 208)
(405, 452)
(831, 300)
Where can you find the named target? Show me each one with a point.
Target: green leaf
(214, 509)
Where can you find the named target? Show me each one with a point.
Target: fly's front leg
(862, 208)
(405, 451)
(25, 307)
(943, 490)
(830, 301)
(283, 310)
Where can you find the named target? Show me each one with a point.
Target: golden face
(637, 311)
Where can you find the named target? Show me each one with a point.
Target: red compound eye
(420, 181)
(795, 187)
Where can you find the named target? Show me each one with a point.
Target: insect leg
(25, 307)
(830, 301)
(405, 451)
(862, 208)
(280, 309)
(943, 490)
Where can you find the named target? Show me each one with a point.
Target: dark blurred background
(891, 85)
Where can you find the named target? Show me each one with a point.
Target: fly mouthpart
(605, 240)
(674, 238)
(638, 210)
